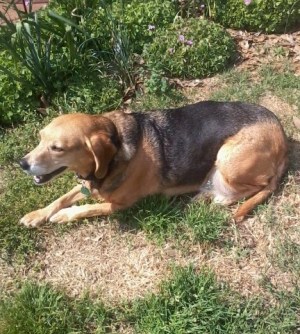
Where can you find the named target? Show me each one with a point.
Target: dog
(228, 151)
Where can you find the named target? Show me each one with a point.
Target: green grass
(190, 302)
(240, 86)
(20, 197)
(163, 218)
(39, 309)
(195, 303)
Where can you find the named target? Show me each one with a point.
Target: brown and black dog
(229, 150)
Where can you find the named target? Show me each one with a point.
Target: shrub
(17, 98)
(193, 48)
(143, 18)
(92, 94)
(256, 15)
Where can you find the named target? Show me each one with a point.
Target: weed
(170, 99)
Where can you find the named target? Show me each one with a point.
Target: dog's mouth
(41, 179)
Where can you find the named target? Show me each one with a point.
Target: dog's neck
(91, 177)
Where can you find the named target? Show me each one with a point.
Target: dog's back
(188, 139)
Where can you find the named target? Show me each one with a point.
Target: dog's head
(82, 143)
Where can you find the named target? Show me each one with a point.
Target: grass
(190, 302)
(195, 303)
(38, 309)
(240, 86)
(163, 218)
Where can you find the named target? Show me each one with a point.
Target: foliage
(46, 49)
(256, 15)
(191, 49)
(17, 100)
(91, 93)
(143, 18)
(157, 83)
(64, 57)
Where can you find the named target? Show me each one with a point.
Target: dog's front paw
(34, 218)
(63, 216)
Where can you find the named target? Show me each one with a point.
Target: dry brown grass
(105, 261)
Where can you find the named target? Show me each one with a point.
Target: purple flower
(247, 2)
(189, 42)
(27, 3)
(151, 27)
(202, 7)
(171, 50)
(181, 38)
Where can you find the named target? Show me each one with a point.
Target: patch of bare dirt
(202, 91)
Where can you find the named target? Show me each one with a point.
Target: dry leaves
(273, 48)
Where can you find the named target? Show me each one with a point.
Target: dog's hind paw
(34, 218)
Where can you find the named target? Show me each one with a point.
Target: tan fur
(250, 164)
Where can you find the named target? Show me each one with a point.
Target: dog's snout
(24, 164)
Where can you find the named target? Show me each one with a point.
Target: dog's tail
(262, 195)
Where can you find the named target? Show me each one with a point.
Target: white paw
(34, 218)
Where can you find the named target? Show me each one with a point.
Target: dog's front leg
(85, 211)
(38, 217)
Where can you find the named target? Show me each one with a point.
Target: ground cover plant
(190, 49)
(275, 16)
(164, 265)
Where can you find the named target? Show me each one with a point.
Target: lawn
(165, 265)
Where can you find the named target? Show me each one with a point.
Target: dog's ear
(103, 150)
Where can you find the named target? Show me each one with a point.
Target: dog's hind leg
(262, 195)
(250, 165)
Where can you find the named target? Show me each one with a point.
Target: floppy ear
(103, 151)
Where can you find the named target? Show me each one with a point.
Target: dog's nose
(24, 164)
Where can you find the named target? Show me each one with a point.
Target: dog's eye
(56, 148)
